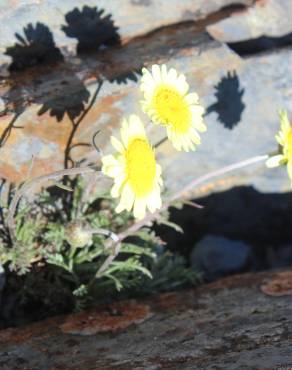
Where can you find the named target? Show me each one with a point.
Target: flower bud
(78, 235)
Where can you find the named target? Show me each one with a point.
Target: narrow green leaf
(64, 187)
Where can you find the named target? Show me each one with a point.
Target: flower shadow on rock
(35, 47)
(229, 105)
(70, 97)
(14, 101)
(261, 44)
(92, 28)
(95, 31)
(124, 77)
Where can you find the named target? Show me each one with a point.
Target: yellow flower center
(172, 109)
(140, 166)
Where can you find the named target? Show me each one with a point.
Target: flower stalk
(151, 217)
(182, 193)
(116, 239)
(30, 184)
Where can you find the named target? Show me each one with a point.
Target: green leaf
(144, 271)
(178, 204)
(135, 249)
(131, 264)
(64, 187)
(116, 281)
(81, 291)
(171, 225)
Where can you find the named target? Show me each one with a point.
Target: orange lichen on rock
(279, 286)
(23, 334)
(107, 318)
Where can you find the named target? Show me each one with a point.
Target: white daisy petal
(274, 161)
(280, 138)
(109, 160)
(113, 171)
(156, 73)
(120, 208)
(167, 102)
(200, 125)
(127, 197)
(182, 85)
(192, 98)
(197, 110)
(146, 74)
(139, 208)
(172, 74)
(125, 132)
(110, 166)
(116, 189)
(117, 144)
(158, 170)
(164, 73)
(195, 137)
(285, 124)
(134, 169)
(154, 201)
(136, 127)
(284, 138)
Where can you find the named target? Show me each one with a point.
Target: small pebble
(216, 256)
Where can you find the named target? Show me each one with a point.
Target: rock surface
(41, 125)
(230, 324)
(52, 112)
(132, 17)
(215, 257)
(269, 18)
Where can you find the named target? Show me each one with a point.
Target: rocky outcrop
(266, 19)
(84, 18)
(239, 322)
(52, 110)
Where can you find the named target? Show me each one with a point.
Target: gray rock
(216, 256)
(127, 15)
(227, 325)
(269, 18)
(241, 97)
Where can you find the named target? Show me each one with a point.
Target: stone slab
(268, 18)
(241, 98)
(229, 324)
(131, 17)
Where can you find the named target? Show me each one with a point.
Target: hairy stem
(104, 232)
(76, 124)
(27, 186)
(117, 238)
(182, 193)
(222, 171)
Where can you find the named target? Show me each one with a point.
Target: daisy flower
(284, 138)
(136, 175)
(168, 102)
